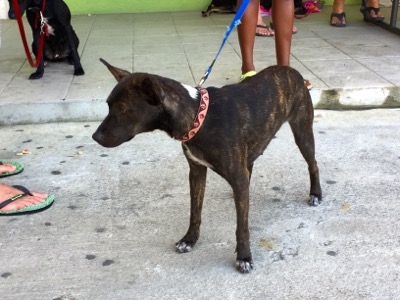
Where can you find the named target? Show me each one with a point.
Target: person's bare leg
(338, 6)
(337, 9)
(374, 4)
(283, 16)
(247, 34)
(262, 28)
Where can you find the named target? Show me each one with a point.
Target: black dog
(220, 6)
(61, 43)
(240, 122)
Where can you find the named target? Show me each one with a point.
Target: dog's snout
(103, 138)
(98, 137)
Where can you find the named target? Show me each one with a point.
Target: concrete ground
(118, 212)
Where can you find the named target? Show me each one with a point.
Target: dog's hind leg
(70, 58)
(302, 128)
(63, 16)
(78, 70)
(197, 179)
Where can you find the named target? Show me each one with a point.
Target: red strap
(22, 32)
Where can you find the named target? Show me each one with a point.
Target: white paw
(314, 200)
(182, 247)
(244, 266)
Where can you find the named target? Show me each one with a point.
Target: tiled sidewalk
(353, 66)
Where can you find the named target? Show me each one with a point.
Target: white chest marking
(195, 159)
(193, 92)
(50, 29)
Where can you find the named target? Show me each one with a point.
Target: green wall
(133, 6)
(136, 6)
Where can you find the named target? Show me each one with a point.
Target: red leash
(43, 29)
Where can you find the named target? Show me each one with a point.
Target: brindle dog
(241, 121)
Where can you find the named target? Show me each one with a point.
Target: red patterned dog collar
(200, 117)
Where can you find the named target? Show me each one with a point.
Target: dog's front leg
(35, 48)
(240, 185)
(78, 70)
(197, 179)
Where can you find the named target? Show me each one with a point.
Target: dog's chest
(50, 27)
(195, 158)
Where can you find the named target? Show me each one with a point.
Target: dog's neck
(179, 108)
(200, 117)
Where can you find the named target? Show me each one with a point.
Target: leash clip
(42, 22)
(43, 25)
(202, 80)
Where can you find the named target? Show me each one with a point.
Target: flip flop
(247, 75)
(294, 29)
(341, 18)
(366, 11)
(27, 209)
(265, 27)
(19, 168)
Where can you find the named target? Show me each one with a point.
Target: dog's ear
(118, 73)
(152, 89)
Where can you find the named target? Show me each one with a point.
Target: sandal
(270, 32)
(27, 209)
(18, 168)
(341, 17)
(368, 17)
(294, 30)
(247, 75)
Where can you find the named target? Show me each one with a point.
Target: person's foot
(308, 84)
(264, 30)
(294, 29)
(247, 75)
(338, 19)
(8, 192)
(372, 14)
(7, 168)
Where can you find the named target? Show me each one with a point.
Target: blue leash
(235, 22)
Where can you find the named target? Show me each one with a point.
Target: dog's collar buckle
(200, 117)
